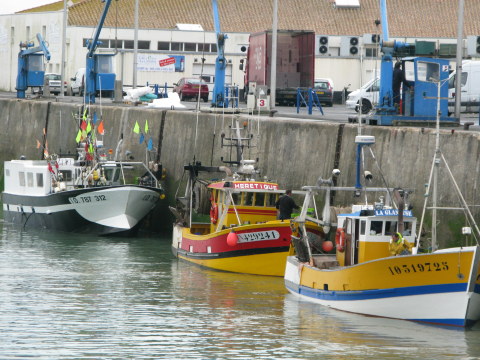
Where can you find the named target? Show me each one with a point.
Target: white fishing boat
(432, 285)
(91, 192)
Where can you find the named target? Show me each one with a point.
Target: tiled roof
(49, 7)
(407, 18)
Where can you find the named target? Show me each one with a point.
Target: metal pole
(458, 68)
(273, 71)
(135, 46)
(64, 45)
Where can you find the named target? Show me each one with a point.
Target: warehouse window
(190, 47)
(176, 46)
(163, 45)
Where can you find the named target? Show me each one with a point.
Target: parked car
(324, 90)
(368, 93)
(77, 86)
(54, 81)
(189, 88)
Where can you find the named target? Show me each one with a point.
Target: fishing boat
(90, 192)
(431, 285)
(242, 234)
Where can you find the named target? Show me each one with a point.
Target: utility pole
(135, 46)
(458, 67)
(64, 45)
(273, 70)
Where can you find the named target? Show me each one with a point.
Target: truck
(470, 88)
(295, 63)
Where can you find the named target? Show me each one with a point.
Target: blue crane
(425, 78)
(31, 70)
(218, 96)
(99, 75)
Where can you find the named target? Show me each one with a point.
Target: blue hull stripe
(380, 294)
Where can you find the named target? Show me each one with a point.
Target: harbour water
(65, 296)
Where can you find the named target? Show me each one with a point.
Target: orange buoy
(232, 238)
(327, 246)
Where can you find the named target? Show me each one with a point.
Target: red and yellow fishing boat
(243, 234)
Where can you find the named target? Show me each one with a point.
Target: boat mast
(433, 181)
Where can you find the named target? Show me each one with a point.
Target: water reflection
(67, 296)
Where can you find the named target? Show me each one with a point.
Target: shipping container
(295, 62)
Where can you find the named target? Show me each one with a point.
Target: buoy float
(327, 246)
(232, 238)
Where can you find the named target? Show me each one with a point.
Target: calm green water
(66, 296)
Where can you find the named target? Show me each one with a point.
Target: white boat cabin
(367, 233)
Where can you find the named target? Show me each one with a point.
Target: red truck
(295, 62)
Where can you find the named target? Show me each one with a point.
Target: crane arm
(92, 46)
(41, 47)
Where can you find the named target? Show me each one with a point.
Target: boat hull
(262, 249)
(97, 210)
(439, 288)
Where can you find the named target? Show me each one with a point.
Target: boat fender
(340, 239)
(232, 238)
(214, 213)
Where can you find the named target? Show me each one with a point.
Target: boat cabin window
(39, 180)
(236, 198)
(271, 199)
(30, 179)
(390, 227)
(247, 199)
(363, 225)
(66, 174)
(376, 227)
(112, 174)
(21, 178)
(407, 228)
(259, 199)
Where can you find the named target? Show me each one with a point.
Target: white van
(368, 93)
(77, 84)
(470, 87)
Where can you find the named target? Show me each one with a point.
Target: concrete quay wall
(292, 152)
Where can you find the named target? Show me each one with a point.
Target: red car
(190, 88)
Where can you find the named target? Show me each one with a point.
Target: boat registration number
(418, 267)
(87, 199)
(258, 236)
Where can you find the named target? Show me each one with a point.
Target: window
(39, 180)
(176, 46)
(21, 178)
(390, 227)
(103, 43)
(451, 81)
(407, 228)
(272, 199)
(30, 179)
(247, 199)
(7, 172)
(259, 199)
(427, 71)
(203, 47)
(116, 44)
(128, 44)
(213, 47)
(66, 175)
(190, 47)
(235, 197)
(163, 45)
(143, 45)
(371, 52)
(376, 228)
(363, 225)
